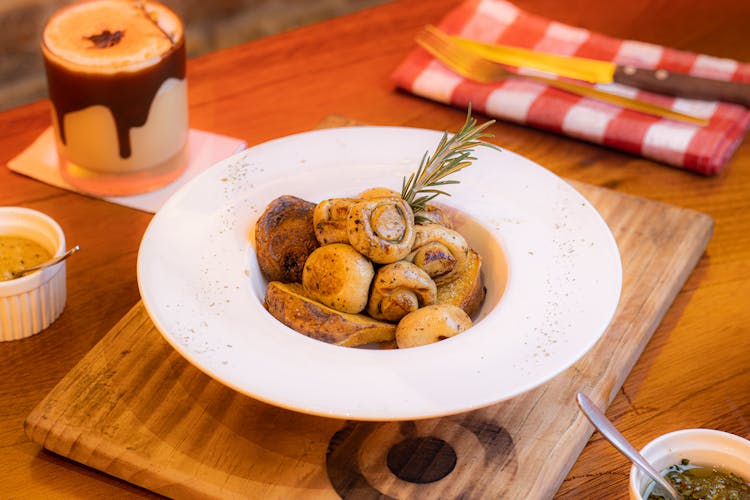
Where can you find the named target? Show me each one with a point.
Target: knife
(596, 71)
(473, 66)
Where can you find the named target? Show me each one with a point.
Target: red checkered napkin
(702, 149)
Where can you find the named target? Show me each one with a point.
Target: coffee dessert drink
(116, 79)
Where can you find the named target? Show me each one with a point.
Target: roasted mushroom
(378, 192)
(431, 324)
(467, 291)
(382, 229)
(329, 218)
(398, 289)
(430, 213)
(441, 252)
(284, 237)
(434, 214)
(338, 276)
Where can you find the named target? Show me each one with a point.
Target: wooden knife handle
(683, 85)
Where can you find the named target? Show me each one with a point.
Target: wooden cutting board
(135, 409)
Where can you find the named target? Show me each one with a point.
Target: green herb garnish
(451, 155)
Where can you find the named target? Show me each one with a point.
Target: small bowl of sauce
(30, 303)
(700, 463)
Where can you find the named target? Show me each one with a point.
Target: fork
(477, 68)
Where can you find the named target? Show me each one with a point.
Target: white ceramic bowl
(705, 447)
(29, 304)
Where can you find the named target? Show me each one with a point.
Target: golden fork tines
(477, 68)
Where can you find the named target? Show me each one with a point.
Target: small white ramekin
(706, 447)
(29, 304)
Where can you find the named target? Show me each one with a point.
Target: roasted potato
(288, 303)
(284, 238)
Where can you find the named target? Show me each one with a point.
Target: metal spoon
(610, 432)
(51, 262)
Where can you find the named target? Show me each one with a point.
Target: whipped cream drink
(116, 79)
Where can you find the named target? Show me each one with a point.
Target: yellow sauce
(17, 252)
(704, 483)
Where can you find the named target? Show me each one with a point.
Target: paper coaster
(40, 162)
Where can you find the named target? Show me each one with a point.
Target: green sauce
(17, 252)
(708, 483)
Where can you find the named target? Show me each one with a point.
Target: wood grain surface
(692, 373)
(135, 409)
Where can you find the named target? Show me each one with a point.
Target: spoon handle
(50, 262)
(610, 432)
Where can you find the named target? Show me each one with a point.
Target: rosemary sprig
(451, 155)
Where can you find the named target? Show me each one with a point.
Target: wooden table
(693, 373)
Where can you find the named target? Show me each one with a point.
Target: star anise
(106, 39)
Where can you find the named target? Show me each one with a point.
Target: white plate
(201, 285)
